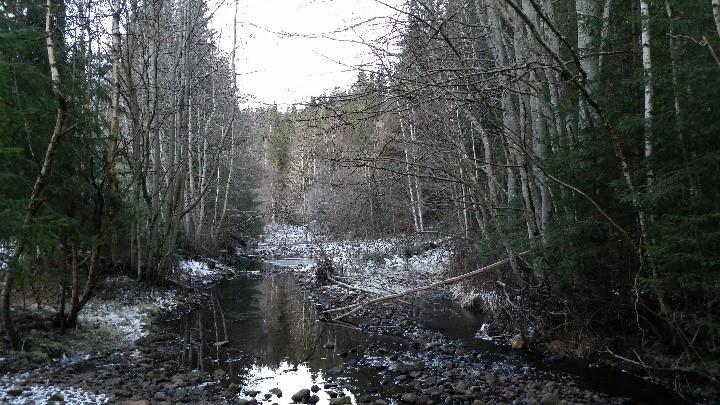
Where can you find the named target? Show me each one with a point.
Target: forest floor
(118, 353)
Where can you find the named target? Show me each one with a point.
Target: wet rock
(314, 388)
(550, 398)
(331, 394)
(314, 399)
(424, 399)
(301, 395)
(251, 393)
(219, 373)
(509, 395)
(268, 396)
(56, 397)
(346, 400)
(517, 342)
(409, 398)
(276, 391)
(401, 378)
(233, 387)
(14, 392)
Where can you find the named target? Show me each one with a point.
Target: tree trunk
(36, 199)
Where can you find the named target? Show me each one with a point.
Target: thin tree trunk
(36, 199)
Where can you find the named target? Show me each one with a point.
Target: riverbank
(118, 352)
(451, 368)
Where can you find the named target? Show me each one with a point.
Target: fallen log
(356, 307)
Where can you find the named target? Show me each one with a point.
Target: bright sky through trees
(290, 50)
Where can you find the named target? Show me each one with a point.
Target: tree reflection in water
(272, 337)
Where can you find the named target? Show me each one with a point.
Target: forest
(567, 152)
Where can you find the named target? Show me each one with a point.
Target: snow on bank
(127, 314)
(380, 266)
(128, 311)
(13, 392)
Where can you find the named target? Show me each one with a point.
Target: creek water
(261, 333)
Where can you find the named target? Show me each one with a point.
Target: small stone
(268, 396)
(314, 399)
(509, 395)
(276, 391)
(219, 373)
(331, 394)
(252, 393)
(550, 398)
(409, 398)
(346, 400)
(314, 388)
(301, 395)
(56, 397)
(517, 342)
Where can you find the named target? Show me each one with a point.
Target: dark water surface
(261, 331)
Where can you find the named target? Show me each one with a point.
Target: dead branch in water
(356, 307)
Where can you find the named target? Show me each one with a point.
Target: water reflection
(261, 333)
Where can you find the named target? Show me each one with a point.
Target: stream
(261, 333)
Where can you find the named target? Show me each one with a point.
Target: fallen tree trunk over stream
(351, 309)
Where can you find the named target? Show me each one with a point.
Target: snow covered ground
(13, 392)
(379, 266)
(127, 312)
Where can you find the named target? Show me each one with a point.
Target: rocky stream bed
(261, 336)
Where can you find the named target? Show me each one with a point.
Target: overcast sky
(285, 69)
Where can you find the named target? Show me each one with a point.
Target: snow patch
(128, 315)
(41, 394)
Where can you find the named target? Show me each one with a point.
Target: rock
(346, 400)
(331, 394)
(329, 345)
(219, 373)
(233, 387)
(380, 402)
(401, 378)
(517, 342)
(251, 393)
(335, 370)
(276, 391)
(268, 396)
(56, 397)
(409, 398)
(424, 399)
(314, 399)
(14, 392)
(509, 395)
(244, 402)
(314, 388)
(478, 402)
(301, 395)
(550, 398)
